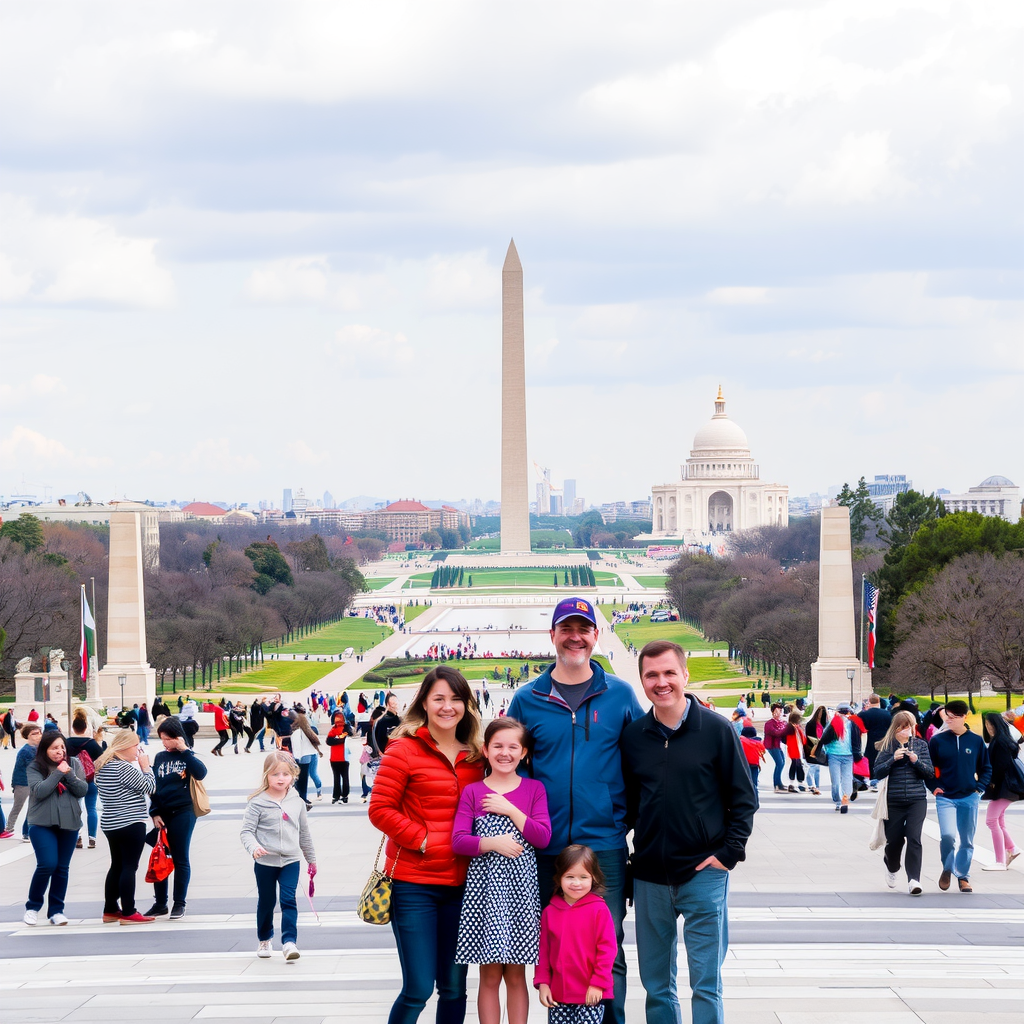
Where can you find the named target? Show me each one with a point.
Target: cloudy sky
(247, 246)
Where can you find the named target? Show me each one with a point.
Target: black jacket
(908, 780)
(688, 797)
(383, 728)
(172, 770)
(877, 723)
(1001, 758)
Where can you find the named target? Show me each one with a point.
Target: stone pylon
(837, 640)
(515, 494)
(126, 618)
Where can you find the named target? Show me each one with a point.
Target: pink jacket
(577, 949)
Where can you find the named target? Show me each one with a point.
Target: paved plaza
(812, 927)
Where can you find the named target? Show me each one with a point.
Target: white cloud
(859, 171)
(299, 451)
(65, 259)
(462, 281)
(309, 280)
(371, 352)
(738, 296)
(25, 448)
(39, 386)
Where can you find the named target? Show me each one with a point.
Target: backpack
(88, 765)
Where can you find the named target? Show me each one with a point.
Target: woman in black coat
(1004, 788)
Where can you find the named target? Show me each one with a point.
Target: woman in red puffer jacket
(431, 757)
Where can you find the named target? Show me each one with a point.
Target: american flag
(870, 614)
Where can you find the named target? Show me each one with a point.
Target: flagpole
(860, 663)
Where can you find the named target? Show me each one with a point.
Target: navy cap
(574, 606)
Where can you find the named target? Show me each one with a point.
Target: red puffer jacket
(415, 796)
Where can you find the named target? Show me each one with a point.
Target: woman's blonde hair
(122, 740)
(899, 721)
(467, 732)
(270, 762)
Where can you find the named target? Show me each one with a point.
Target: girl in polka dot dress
(500, 822)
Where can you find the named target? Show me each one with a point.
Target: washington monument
(515, 501)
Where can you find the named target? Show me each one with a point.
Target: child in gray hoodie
(274, 833)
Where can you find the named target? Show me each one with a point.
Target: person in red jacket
(774, 739)
(577, 942)
(220, 723)
(431, 757)
(340, 731)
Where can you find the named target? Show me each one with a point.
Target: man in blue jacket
(962, 773)
(575, 713)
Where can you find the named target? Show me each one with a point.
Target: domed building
(719, 489)
(994, 496)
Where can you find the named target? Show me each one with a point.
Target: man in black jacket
(877, 722)
(691, 806)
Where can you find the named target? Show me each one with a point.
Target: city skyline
(242, 251)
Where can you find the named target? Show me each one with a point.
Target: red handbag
(861, 768)
(160, 862)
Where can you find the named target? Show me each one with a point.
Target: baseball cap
(571, 606)
(844, 707)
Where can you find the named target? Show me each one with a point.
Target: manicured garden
(645, 631)
(514, 579)
(356, 632)
(408, 671)
(379, 582)
(653, 582)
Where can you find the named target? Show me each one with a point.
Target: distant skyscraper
(329, 500)
(568, 496)
(286, 501)
(544, 494)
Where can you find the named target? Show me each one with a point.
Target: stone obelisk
(837, 640)
(126, 618)
(515, 495)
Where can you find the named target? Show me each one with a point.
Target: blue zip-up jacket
(576, 757)
(19, 776)
(961, 764)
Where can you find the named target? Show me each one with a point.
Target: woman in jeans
(842, 742)
(1003, 746)
(124, 779)
(774, 738)
(815, 727)
(171, 809)
(55, 784)
(904, 760)
(431, 757)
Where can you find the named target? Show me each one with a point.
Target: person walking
(578, 944)
(10, 729)
(962, 773)
(76, 744)
(305, 745)
(1004, 788)
(56, 784)
(904, 760)
(796, 739)
(500, 823)
(275, 830)
(774, 743)
(222, 727)
(257, 724)
(431, 757)
(841, 740)
(171, 808)
(31, 733)
(386, 724)
(143, 724)
(815, 728)
(576, 713)
(124, 780)
(876, 723)
(336, 741)
(238, 724)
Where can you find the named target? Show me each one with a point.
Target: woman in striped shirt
(124, 778)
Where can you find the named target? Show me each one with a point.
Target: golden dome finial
(721, 397)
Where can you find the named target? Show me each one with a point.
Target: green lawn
(703, 670)
(645, 631)
(412, 610)
(513, 579)
(655, 582)
(333, 639)
(473, 669)
(378, 582)
(287, 676)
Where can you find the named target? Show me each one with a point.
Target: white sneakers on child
(263, 950)
(290, 950)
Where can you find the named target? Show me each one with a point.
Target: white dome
(997, 481)
(720, 433)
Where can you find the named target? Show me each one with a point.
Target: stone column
(837, 641)
(126, 618)
(515, 495)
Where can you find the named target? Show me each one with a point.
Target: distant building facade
(719, 489)
(883, 489)
(994, 496)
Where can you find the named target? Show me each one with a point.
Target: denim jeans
(314, 773)
(179, 837)
(258, 737)
(613, 866)
(425, 921)
(957, 817)
(779, 760)
(268, 880)
(702, 904)
(92, 818)
(814, 775)
(840, 771)
(54, 848)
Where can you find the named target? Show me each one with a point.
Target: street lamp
(121, 680)
(850, 673)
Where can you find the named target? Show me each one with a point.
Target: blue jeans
(779, 758)
(613, 867)
(425, 921)
(54, 848)
(179, 838)
(144, 735)
(314, 774)
(92, 818)
(814, 775)
(268, 880)
(957, 817)
(840, 771)
(702, 904)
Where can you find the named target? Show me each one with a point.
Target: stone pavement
(816, 938)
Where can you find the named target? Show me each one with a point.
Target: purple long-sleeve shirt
(529, 796)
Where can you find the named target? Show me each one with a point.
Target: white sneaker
(58, 919)
(263, 950)
(915, 888)
(890, 878)
(31, 916)
(291, 951)
(993, 867)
